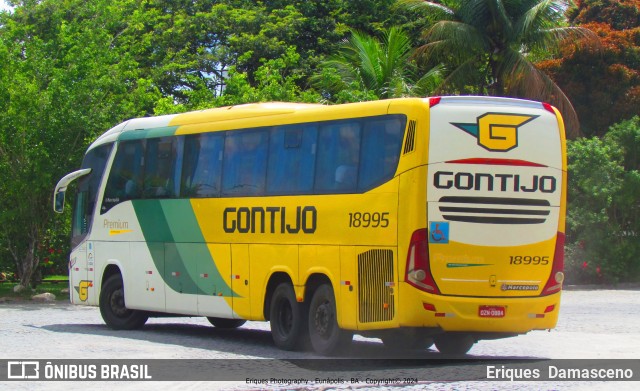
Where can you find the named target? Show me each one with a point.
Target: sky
(4, 6)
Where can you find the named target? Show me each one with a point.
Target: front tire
(288, 318)
(224, 323)
(113, 309)
(326, 337)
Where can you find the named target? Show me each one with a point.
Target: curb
(627, 286)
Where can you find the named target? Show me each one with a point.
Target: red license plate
(491, 311)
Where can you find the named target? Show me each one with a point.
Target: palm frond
(459, 77)
(458, 38)
(541, 16)
(476, 13)
(558, 35)
(381, 67)
(397, 49)
(527, 81)
(434, 9)
(365, 51)
(500, 14)
(429, 82)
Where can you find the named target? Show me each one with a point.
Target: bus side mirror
(61, 188)
(58, 202)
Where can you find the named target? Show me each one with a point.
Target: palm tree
(487, 44)
(380, 67)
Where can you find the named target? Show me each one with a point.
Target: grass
(6, 289)
(56, 278)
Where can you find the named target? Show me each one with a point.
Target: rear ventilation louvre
(409, 144)
(376, 286)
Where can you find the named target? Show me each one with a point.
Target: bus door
(82, 258)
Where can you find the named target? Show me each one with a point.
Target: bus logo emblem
(83, 289)
(439, 232)
(496, 132)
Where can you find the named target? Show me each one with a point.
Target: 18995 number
(528, 260)
(366, 220)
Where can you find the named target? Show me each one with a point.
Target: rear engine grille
(375, 286)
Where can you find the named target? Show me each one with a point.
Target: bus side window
(338, 157)
(160, 162)
(245, 163)
(291, 159)
(202, 167)
(125, 178)
(381, 145)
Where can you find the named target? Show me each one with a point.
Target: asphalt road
(594, 324)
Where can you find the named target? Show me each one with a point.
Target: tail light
(554, 283)
(418, 270)
(549, 108)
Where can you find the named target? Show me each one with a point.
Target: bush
(603, 219)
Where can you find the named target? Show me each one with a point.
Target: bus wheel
(287, 318)
(112, 307)
(454, 343)
(326, 337)
(224, 323)
(412, 341)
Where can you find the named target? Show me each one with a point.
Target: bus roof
(157, 126)
(267, 114)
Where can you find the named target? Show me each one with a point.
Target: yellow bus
(416, 221)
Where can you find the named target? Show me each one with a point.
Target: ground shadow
(258, 343)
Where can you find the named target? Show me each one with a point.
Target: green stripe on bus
(182, 220)
(155, 226)
(186, 260)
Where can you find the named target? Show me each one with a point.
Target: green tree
(603, 86)
(275, 82)
(379, 69)
(603, 221)
(250, 32)
(61, 84)
(486, 45)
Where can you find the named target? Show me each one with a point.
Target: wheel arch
(313, 282)
(275, 279)
(110, 270)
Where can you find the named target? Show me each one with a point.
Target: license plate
(491, 311)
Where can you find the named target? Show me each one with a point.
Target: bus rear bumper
(487, 314)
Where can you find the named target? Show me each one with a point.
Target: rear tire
(326, 337)
(454, 343)
(288, 318)
(224, 323)
(114, 310)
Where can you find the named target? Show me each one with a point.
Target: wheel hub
(117, 303)
(323, 319)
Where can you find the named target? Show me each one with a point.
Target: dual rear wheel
(294, 324)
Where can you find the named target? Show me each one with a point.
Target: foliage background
(71, 69)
